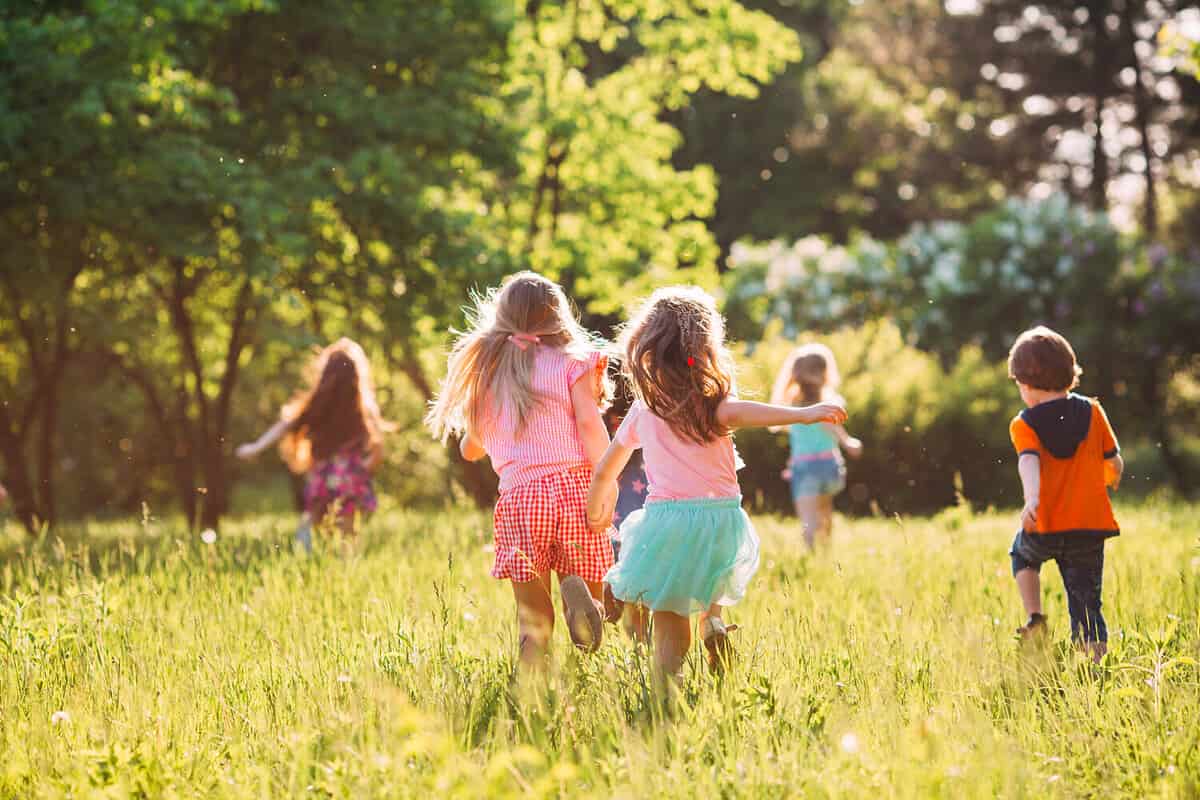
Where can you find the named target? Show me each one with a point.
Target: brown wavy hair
(487, 369)
(676, 360)
(337, 411)
(1044, 359)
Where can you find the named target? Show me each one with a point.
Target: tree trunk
(1101, 83)
(16, 475)
(1142, 107)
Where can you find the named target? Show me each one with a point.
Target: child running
(632, 487)
(815, 467)
(692, 548)
(332, 432)
(524, 387)
(1067, 455)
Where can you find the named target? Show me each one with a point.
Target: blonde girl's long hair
(676, 360)
(337, 410)
(808, 375)
(491, 363)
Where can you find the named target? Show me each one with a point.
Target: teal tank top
(808, 440)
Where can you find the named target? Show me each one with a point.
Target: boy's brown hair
(1043, 359)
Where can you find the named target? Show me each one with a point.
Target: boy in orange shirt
(1067, 457)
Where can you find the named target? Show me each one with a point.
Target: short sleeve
(1108, 439)
(1023, 438)
(626, 434)
(594, 363)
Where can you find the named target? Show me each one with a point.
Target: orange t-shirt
(1071, 438)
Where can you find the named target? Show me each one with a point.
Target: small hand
(786, 474)
(246, 451)
(602, 502)
(3, 495)
(1029, 517)
(853, 447)
(1111, 476)
(833, 413)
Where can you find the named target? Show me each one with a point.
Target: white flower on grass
(344, 678)
(849, 743)
(60, 718)
(208, 536)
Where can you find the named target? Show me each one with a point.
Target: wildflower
(208, 536)
(60, 718)
(343, 678)
(849, 743)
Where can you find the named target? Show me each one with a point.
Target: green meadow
(138, 660)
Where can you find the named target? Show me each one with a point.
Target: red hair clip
(691, 361)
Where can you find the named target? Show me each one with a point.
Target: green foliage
(146, 663)
(1129, 308)
(921, 425)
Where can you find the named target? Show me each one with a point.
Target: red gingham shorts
(542, 525)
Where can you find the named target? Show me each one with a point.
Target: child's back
(678, 468)
(549, 441)
(1072, 438)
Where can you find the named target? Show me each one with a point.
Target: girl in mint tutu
(691, 548)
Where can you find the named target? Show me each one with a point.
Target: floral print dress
(340, 484)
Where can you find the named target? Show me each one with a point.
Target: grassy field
(152, 664)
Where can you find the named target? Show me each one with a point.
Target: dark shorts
(1080, 559)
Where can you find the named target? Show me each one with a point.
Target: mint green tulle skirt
(684, 555)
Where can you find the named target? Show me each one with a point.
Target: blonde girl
(815, 467)
(524, 387)
(331, 432)
(692, 547)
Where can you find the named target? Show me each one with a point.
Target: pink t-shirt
(549, 443)
(678, 468)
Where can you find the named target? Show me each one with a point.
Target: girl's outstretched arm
(602, 496)
(590, 424)
(273, 435)
(851, 445)
(748, 414)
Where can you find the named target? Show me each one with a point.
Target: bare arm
(1029, 467)
(851, 445)
(748, 414)
(1113, 467)
(602, 496)
(470, 447)
(273, 435)
(592, 432)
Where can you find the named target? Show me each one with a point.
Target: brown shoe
(1035, 626)
(584, 621)
(715, 635)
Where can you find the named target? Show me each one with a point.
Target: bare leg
(672, 638)
(535, 620)
(809, 511)
(1029, 584)
(825, 517)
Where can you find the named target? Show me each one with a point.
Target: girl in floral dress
(331, 433)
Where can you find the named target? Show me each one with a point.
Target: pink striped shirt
(549, 443)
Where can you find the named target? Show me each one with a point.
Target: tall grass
(146, 663)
